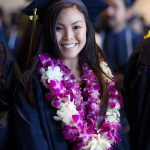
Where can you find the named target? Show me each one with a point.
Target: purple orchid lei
(80, 117)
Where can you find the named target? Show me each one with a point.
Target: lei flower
(79, 111)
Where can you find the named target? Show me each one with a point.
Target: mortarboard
(128, 3)
(94, 7)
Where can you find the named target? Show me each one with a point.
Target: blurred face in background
(115, 15)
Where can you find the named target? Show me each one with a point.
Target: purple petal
(43, 58)
(75, 118)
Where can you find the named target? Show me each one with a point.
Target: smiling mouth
(69, 45)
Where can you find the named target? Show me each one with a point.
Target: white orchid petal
(106, 69)
(65, 112)
(56, 118)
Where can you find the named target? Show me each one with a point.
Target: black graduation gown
(11, 75)
(35, 129)
(137, 97)
(118, 46)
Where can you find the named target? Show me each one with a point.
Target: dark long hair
(90, 53)
(2, 64)
(10, 74)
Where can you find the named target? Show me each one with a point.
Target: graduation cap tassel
(34, 18)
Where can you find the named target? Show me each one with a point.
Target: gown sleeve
(6, 101)
(137, 98)
(35, 128)
(28, 128)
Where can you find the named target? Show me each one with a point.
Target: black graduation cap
(94, 7)
(128, 2)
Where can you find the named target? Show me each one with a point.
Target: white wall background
(142, 8)
(12, 5)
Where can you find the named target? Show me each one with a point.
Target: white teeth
(69, 45)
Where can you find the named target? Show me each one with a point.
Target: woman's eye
(59, 28)
(76, 27)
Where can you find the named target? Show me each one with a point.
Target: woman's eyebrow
(79, 21)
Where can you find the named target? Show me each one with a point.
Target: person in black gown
(137, 96)
(9, 75)
(3, 28)
(118, 38)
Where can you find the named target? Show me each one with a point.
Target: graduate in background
(137, 96)
(3, 28)
(9, 75)
(14, 32)
(118, 38)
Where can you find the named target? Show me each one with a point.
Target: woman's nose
(110, 10)
(68, 34)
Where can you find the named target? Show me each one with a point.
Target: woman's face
(70, 32)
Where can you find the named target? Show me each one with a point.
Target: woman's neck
(73, 65)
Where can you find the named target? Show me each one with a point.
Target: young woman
(68, 99)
